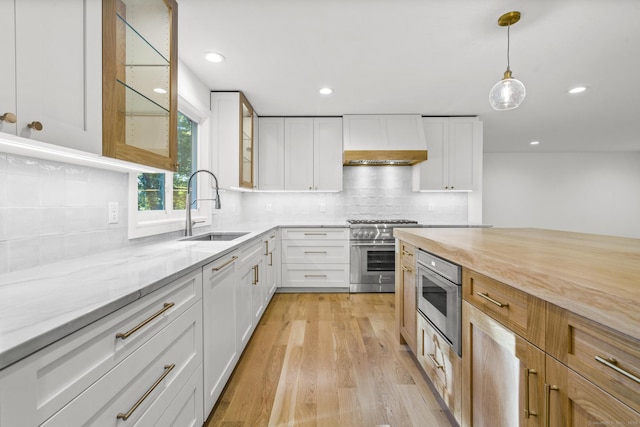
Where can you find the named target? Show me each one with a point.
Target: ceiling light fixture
(508, 93)
(577, 89)
(326, 91)
(214, 57)
(534, 143)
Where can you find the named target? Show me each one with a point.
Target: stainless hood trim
(383, 157)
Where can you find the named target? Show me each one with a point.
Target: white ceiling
(431, 57)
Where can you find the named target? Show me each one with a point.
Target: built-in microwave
(440, 296)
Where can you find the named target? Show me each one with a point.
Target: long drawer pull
(435, 362)
(315, 234)
(409, 269)
(125, 335)
(491, 300)
(167, 369)
(315, 252)
(613, 364)
(233, 258)
(527, 409)
(315, 275)
(271, 258)
(547, 402)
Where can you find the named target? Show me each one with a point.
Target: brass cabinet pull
(409, 269)
(125, 335)
(255, 275)
(315, 252)
(35, 126)
(167, 369)
(547, 402)
(266, 251)
(407, 253)
(491, 300)
(527, 410)
(9, 117)
(271, 258)
(315, 234)
(613, 364)
(435, 362)
(315, 275)
(233, 258)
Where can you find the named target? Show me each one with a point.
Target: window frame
(149, 223)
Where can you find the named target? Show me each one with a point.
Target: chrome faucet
(188, 227)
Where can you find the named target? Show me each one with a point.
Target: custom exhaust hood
(383, 140)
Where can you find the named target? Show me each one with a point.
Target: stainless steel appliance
(439, 296)
(373, 254)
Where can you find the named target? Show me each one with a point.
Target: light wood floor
(327, 360)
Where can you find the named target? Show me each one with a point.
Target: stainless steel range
(373, 254)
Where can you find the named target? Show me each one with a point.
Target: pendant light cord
(508, 42)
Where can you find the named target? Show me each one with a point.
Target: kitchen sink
(217, 236)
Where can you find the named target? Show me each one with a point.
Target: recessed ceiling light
(160, 90)
(214, 57)
(326, 91)
(534, 143)
(577, 89)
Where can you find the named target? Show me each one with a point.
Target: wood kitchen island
(550, 326)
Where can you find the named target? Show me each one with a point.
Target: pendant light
(508, 93)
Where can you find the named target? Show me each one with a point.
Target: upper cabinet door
(298, 152)
(327, 154)
(140, 90)
(271, 148)
(7, 68)
(54, 90)
(247, 157)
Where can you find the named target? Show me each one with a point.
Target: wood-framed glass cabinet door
(139, 60)
(246, 143)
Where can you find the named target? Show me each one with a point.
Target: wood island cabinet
(406, 303)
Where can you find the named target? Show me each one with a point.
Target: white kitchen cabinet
(271, 151)
(301, 153)
(271, 264)
(383, 132)
(455, 155)
(219, 280)
(51, 71)
(315, 258)
(249, 301)
(127, 341)
(232, 136)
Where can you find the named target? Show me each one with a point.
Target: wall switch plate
(113, 212)
(268, 207)
(323, 207)
(431, 209)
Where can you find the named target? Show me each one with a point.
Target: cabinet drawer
(442, 365)
(407, 254)
(518, 311)
(315, 252)
(312, 276)
(315, 233)
(63, 370)
(161, 367)
(608, 358)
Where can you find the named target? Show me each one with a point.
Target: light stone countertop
(42, 305)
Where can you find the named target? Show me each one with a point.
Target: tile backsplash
(53, 211)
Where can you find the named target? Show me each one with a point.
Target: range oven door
(372, 267)
(439, 301)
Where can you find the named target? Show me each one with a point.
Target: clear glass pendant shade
(507, 94)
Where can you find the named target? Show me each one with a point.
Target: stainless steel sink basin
(217, 236)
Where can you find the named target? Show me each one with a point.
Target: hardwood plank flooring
(327, 360)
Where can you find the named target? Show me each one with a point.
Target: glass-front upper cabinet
(139, 58)
(246, 143)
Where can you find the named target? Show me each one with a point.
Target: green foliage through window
(152, 186)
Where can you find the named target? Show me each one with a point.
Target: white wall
(590, 192)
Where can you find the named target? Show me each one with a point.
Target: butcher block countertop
(594, 276)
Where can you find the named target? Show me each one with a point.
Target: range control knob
(371, 234)
(354, 234)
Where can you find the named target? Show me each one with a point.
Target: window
(154, 188)
(157, 200)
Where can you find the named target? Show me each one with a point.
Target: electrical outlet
(431, 209)
(268, 207)
(113, 212)
(323, 207)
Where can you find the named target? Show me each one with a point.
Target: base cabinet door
(406, 304)
(503, 374)
(219, 332)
